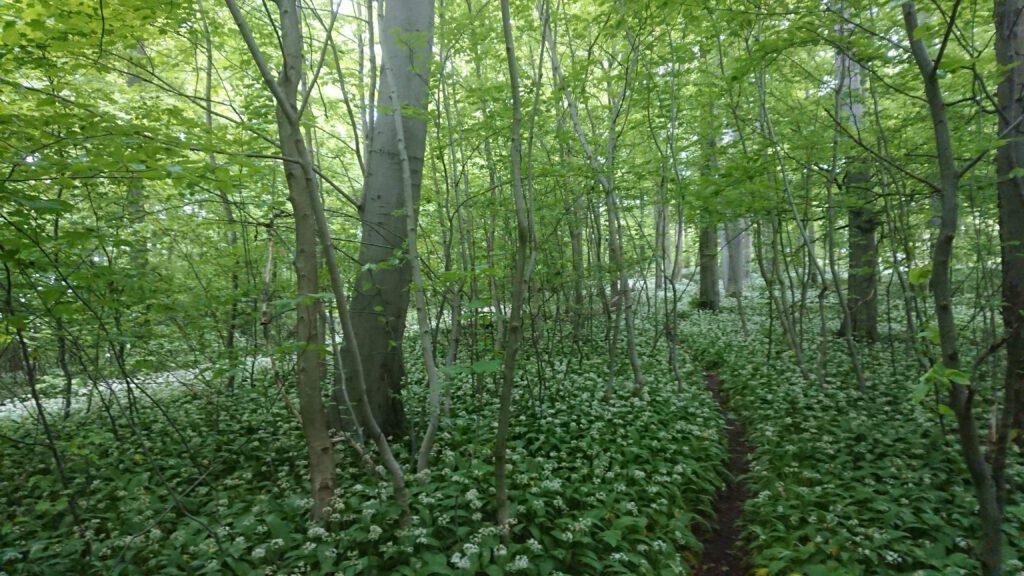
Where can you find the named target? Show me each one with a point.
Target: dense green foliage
(165, 315)
(615, 485)
(844, 483)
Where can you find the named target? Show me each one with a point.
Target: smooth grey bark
(735, 257)
(862, 216)
(301, 185)
(520, 279)
(365, 414)
(418, 284)
(679, 253)
(660, 238)
(709, 297)
(579, 305)
(621, 297)
(812, 254)
(380, 298)
(862, 276)
(961, 396)
(723, 255)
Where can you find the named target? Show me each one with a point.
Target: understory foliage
(844, 483)
(614, 485)
(214, 217)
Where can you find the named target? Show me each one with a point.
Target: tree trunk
(738, 258)
(660, 239)
(679, 256)
(1010, 158)
(961, 396)
(301, 186)
(723, 256)
(862, 273)
(708, 247)
(520, 279)
(381, 291)
(579, 304)
(862, 276)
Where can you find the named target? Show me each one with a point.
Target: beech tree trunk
(381, 291)
(520, 279)
(709, 297)
(301, 186)
(736, 258)
(862, 275)
(621, 298)
(723, 255)
(679, 252)
(660, 239)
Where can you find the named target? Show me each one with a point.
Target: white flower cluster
(375, 532)
(459, 561)
(520, 563)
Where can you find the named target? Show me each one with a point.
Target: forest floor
(724, 551)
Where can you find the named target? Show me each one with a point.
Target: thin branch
(945, 38)
(261, 62)
(856, 140)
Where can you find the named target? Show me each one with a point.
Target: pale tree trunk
(812, 255)
(579, 305)
(604, 171)
(679, 253)
(723, 256)
(862, 274)
(301, 186)
(708, 297)
(961, 396)
(862, 278)
(737, 239)
(418, 284)
(520, 279)
(660, 238)
(678, 257)
(381, 290)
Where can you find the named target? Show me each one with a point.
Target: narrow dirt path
(724, 551)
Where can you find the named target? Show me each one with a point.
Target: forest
(487, 287)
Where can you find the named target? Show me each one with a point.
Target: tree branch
(261, 62)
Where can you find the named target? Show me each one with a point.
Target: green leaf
(921, 389)
(455, 369)
(489, 366)
(920, 275)
(277, 528)
(477, 304)
(612, 537)
(11, 35)
(957, 377)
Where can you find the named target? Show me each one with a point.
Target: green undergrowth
(216, 483)
(844, 483)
